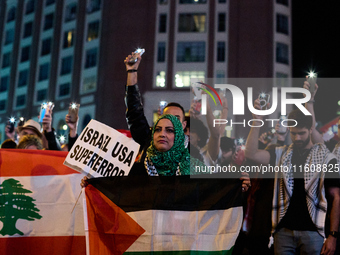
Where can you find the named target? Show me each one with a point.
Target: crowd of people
(32, 135)
(297, 211)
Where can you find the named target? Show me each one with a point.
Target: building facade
(73, 51)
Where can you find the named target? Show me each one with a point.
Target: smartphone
(21, 121)
(134, 57)
(73, 110)
(312, 81)
(11, 124)
(45, 108)
(264, 100)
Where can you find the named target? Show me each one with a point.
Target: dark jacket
(53, 143)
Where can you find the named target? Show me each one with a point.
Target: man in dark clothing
(300, 190)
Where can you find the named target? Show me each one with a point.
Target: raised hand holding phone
(311, 78)
(133, 59)
(73, 110)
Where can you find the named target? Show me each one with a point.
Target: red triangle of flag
(111, 230)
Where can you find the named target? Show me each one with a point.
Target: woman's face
(164, 135)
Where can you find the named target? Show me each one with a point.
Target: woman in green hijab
(166, 155)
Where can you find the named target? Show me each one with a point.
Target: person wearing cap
(32, 127)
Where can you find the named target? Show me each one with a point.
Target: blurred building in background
(73, 51)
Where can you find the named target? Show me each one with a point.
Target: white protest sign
(102, 151)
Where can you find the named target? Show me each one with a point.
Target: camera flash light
(62, 139)
(311, 74)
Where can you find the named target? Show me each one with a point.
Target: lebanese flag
(37, 195)
(162, 215)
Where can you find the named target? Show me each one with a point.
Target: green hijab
(177, 158)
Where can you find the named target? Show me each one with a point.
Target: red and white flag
(37, 196)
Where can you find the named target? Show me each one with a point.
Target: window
(6, 60)
(162, 23)
(192, 1)
(68, 38)
(25, 54)
(220, 51)
(281, 79)
(282, 24)
(161, 52)
(3, 105)
(93, 30)
(21, 100)
(160, 79)
(163, 2)
(48, 24)
(93, 6)
(189, 22)
(28, 29)
(11, 14)
(41, 95)
(220, 76)
(49, 2)
(182, 79)
(190, 51)
(284, 2)
(44, 70)
(91, 58)
(9, 36)
(64, 89)
(66, 65)
(4, 82)
(221, 22)
(282, 53)
(71, 12)
(30, 6)
(23, 78)
(89, 84)
(86, 120)
(46, 46)
(222, 1)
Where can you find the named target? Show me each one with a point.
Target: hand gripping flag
(162, 215)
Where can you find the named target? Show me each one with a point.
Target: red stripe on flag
(33, 163)
(111, 230)
(65, 245)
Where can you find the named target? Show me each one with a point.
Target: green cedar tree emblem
(14, 205)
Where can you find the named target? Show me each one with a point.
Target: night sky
(316, 45)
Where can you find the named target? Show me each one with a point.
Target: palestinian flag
(162, 215)
(37, 195)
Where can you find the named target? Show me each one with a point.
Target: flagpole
(86, 226)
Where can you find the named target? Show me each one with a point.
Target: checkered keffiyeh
(314, 185)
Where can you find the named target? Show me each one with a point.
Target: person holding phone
(72, 119)
(136, 120)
